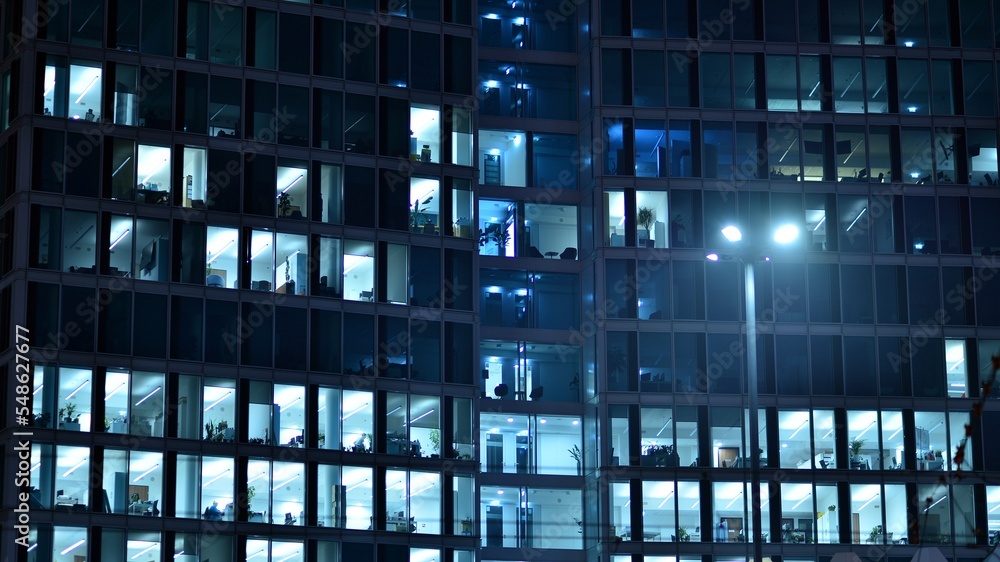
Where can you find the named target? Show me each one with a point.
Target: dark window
(157, 27)
(791, 366)
(556, 301)
(195, 36)
(824, 293)
(394, 63)
(987, 311)
(125, 32)
(779, 20)
(224, 181)
(87, 22)
(924, 291)
(359, 53)
(689, 361)
(186, 321)
(290, 337)
(328, 119)
(226, 43)
(975, 24)
(725, 296)
(716, 80)
(980, 93)
(458, 64)
(621, 359)
(458, 274)
(890, 294)
(689, 282)
(291, 121)
(827, 365)
(359, 200)
(458, 359)
(56, 24)
(325, 341)
(894, 366)
(49, 169)
(656, 370)
(619, 298)
(650, 83)
(261, 108)
(859, 366)
(43, 314)
(79, 309)
(682, 80)
(929, 370)
(328, 56)
(425, 276)
(856, 282)
(425, 347)
(647, 20)
(616, 72)
(156, 103)
(262, 38)
(259, 198)
(724, 375)
(393, 351)
(959, 308)
(790, 293)
(115, 318)
(149, 339)
(359, 344)
(425, 61)
(359, 118)
(192, 105)
(294, 50)
(257, 328)
(221, 331)
(225, 107)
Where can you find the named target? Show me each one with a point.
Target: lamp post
(748, 254)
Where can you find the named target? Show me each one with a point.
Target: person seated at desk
(213, 513)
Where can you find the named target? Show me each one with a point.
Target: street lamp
(748, 252)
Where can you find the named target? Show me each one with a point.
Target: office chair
(536, 393)
(568, 254)
(501, 390)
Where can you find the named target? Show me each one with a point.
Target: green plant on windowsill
(855, 447)
(435, 437)
(682, 535)
(646, 217)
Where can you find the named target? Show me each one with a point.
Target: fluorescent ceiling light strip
(732, 501)
(221, 250)
(894, 434)
(820, 223)
(870, 500)
(363, 406)
(148, 396)
(115, 391)
(154, 172)
(113, 174)
(865, 430)
(290, 404)
(664, 426)
(76, 466)
(286, 482)
(424, 415)
(87, 89)
(669, 495)
(144, 551)
(147, 473)
(796, 506)
(78, 389)
(394, 410)
(358, 485)
(216, 403)
(224, 472)
(32, 547)
(119, 239)
(35, 466)
(856, 219)
(178, 555)
(260, 251)
(295, 181)
(261, 551)
(73, 546)
(38, 389)
(289, 557)
(422, 490)
(256, 478)
(801, 427)
(935, 503)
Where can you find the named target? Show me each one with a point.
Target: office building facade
(427, 280)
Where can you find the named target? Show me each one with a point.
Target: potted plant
(42, 420)
(289, 282)
(855, 448)
(248, 502)
(577, 455)
(831, 508)
(209, 430)
(876, 534)
(646, 217)
(435, 437)
(321, 439)
(68, 418)
(418, 215)
(284, 205)
(682, 535)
